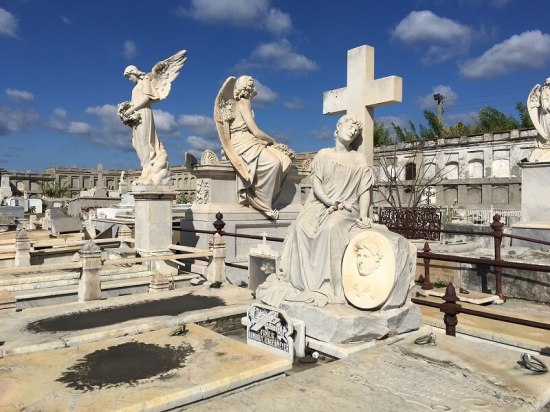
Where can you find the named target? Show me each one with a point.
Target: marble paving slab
(18, 339)
(458, 374)
(150, 372)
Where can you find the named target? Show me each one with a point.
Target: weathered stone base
(344, 323)
(7, 300)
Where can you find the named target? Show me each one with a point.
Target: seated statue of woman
(261, 165)
(336, 209)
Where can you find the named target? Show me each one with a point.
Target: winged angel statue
(538, 105)
(261, 163)
(137, 114)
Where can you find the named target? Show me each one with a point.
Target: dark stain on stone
(118, 314)
(124, 364)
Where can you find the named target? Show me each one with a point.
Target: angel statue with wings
(538, 105)
(137, 114)
(261, 163)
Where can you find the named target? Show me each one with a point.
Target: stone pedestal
(7, 300)
(153, 224)
(217, 192)
(159, 283)
(535, 201)
(22, 249)
(89, 284)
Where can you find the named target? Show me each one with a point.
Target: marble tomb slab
(458, 374)
(109, 375)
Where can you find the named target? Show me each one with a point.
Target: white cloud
(280, 55)
(65, 19)
(294, 103)
(79, 128)
(15, 120)
(129, 49)
(265, 95)
(8, 23)
(60, 112)
(111, 131)
(530, 49)
(198, 124)
(199, 144)
(165, 123)
(18, 95)
(278, 22)
(441, 37)
(240, 13)
(322, 133)
(428, 102)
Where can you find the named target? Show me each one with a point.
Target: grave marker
(362, 94)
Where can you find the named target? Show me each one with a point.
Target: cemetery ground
(131, 353)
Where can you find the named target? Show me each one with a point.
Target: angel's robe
(150, 151)
(267, 166)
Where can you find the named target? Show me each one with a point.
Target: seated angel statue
(261, 164)
(138, 114)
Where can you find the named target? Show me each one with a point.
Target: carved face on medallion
(368, 270)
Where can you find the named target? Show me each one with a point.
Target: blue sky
(62, 62)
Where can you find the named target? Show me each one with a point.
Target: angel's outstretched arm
(246, 112)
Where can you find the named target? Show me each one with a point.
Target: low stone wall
(520, 284)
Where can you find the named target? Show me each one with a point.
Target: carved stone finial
(22, 236)
(209, 158)
(219, 224)
(89, 247)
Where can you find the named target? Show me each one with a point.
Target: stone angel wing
(224, 107)
(533, 104)
(165, 72)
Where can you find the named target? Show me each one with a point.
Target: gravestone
(272, 329)
(5, 188)
(64, 225)
(262, 262)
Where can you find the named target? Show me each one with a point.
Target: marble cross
(362, 94)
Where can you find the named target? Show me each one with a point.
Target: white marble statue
(138, 114)
(261, 164)
(538, 105)
(336, 209)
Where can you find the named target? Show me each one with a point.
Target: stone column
(89, 284)
(22, 249)
(216, 267)
(153, 225)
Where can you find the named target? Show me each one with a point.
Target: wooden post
(498, 229)
(451, 309)
(426, 284)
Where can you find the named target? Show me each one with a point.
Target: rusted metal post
(219, 224)
(498, 229)
(451, 309)
(426, 284)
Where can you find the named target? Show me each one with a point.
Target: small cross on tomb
(362, 94)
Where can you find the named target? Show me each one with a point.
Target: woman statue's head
(347, 129)
(244, 88)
